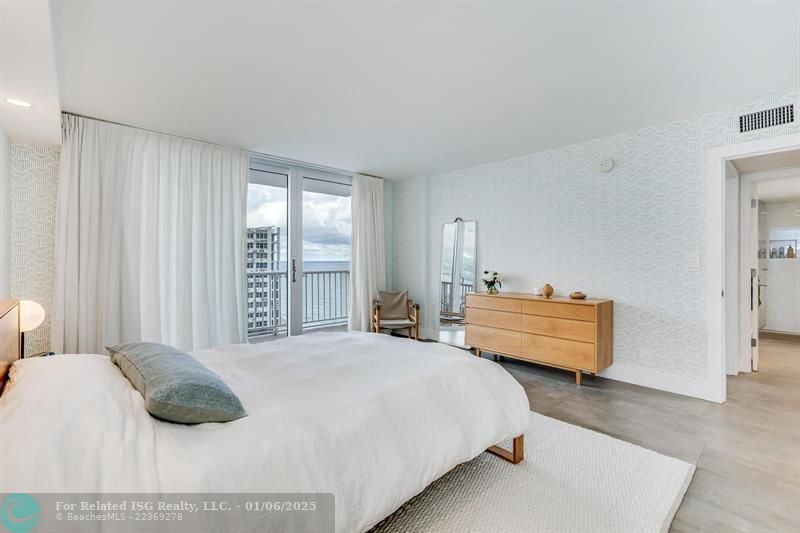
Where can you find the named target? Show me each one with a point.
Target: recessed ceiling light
(17, 101)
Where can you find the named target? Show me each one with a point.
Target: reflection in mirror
(457, 278)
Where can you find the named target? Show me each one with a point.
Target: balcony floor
(256, 339)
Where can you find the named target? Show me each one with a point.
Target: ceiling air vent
(767, 118)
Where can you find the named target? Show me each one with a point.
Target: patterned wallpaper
(635, 234)
(34, 183)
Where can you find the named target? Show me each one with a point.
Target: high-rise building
(263, 249)
(264, 279)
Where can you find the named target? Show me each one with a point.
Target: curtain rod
(271, 158)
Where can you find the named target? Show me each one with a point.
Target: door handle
(294, 271)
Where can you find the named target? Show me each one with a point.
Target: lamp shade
(31, 315)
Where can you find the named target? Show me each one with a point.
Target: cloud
(326, 221)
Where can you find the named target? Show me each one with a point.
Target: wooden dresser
(9, 337)
(575, 335)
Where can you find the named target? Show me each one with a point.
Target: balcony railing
(447, 294)
(326, 300)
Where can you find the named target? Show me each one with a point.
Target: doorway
(762, 269)
(298, 250)
(716, 286)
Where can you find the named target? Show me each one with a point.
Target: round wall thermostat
(606, 165)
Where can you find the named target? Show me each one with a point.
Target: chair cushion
(394, 305)
(394, 324)
(176, 386)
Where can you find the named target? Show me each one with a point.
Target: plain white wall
(5, 214)
(763, 268)
(782, 311)
(781, 220)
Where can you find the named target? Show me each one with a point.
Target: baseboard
(654, 379)
(778, 335)
(644, 377)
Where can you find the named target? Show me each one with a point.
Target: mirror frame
(458, 246)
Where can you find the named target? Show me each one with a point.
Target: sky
(326, 221)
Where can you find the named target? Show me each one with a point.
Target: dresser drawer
(577, 330)
(559, 352)
(573, 311)
(498, 303)
(494, 319)
(494, 340)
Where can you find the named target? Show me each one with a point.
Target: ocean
(320, 266)
(326, 292)
(325, 266)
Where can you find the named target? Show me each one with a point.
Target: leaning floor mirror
(459, 239)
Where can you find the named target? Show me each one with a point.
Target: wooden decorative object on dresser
(575, 335)
(9, 337)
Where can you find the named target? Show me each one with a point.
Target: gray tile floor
(747, 451)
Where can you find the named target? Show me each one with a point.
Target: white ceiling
(410, 88)
(28, 72)
(780, 190)
(768, 162)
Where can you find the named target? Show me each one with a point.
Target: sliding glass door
(267, 253)
(298, 262)
(326, 252)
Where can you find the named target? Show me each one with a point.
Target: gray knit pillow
(176, 386)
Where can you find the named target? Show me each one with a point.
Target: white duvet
(370, 418)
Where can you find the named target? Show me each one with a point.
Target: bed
(371, 418)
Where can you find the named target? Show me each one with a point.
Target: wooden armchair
(394, 310)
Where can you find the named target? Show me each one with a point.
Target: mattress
(370, 418)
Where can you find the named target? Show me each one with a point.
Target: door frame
(294, 259)
(748, 360)
(716, 375)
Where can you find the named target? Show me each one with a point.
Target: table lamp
(31, 316)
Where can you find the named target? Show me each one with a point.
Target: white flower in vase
(491, 280)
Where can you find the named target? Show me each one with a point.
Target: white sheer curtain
(150, 240)
(368, 259)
